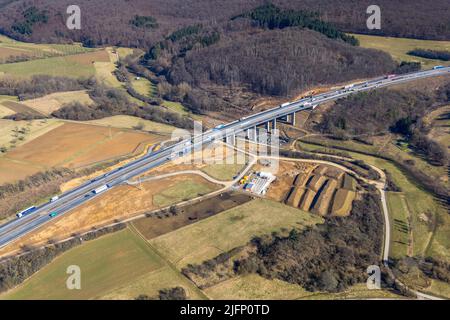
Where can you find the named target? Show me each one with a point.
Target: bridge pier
(291, 118)
(252, 134)
(231, 139)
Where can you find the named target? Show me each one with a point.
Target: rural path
(171, 174)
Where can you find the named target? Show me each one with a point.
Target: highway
(17, 228)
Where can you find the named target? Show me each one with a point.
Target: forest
(219, 63)
(41, 85)
(329, 257)
(108, 21)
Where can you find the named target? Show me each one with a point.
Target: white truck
(350, 86)
(100, 189)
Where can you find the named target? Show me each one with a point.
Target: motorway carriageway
(75, 197)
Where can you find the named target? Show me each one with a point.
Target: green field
(398, 47)
(57, 66)
(223, 172)
(37, 51)
(109, 266)
(208, 238)
(255, 287)
(182, 191)
(144, 87)
(151, 283)
(399, 219)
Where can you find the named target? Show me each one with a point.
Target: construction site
(326, 191)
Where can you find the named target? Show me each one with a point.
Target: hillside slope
(108, 21)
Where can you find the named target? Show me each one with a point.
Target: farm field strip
(398, 48)
(121, 259)
(209, 237)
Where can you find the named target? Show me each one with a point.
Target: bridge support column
(251, 134)
(267, 124)
(274, 124)
(292, 120)
(231, 139)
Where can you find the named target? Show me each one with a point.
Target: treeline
(329, 257)
(436, 269)
(41, 85)
(19, 195)
(407, 67)
(176, 293)
(17, 269)
(110, 101)
(434, 152)
(272, 17)
(430, 54)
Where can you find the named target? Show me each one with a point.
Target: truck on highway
(390, 76)
(349, 87)
(53, 199)
(220, 126)
(438, 67)
(285, 104)
(26, 212)
(101, 189)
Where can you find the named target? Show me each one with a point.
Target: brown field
(152, 227)
(90, 57)
(13, 171)
(19, 107)
(307, 200)
(52, 102)
(4, 111)
(325, 198)
(75, 145)
(342, 202)
(118, 204)
(8, 52)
